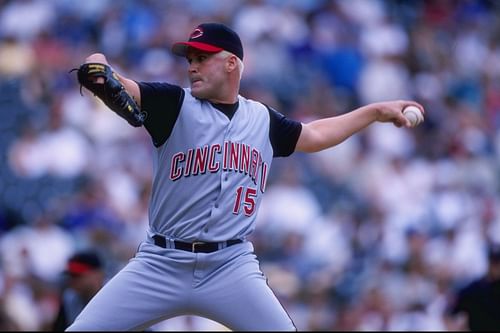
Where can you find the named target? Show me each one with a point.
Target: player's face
(206, 74)
(87, 284)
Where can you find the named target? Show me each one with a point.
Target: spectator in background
(85, 276)
(476, 306)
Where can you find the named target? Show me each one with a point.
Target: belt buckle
(193, 245)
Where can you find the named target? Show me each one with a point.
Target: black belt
(195, 246)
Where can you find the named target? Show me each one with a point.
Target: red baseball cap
(83, 262)
(211, 38)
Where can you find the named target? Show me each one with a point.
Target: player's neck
(224, 101)
(228, 98)
(229, 91)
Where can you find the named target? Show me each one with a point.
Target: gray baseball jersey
(210, 177)
(211, 164)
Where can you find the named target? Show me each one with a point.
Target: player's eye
(197, 58)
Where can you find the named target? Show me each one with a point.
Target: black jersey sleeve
(283, 133)
(162, 103)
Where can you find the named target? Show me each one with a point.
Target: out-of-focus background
(374, 234)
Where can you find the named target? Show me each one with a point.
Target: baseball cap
(211, 38)
(83, 262)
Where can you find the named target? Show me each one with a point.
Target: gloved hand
(111, 91)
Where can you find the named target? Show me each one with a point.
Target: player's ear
(231, 63)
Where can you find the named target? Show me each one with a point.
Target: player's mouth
(195, 80)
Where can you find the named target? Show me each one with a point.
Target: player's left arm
(328, 132)
(130, 85)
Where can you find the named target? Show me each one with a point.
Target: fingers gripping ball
(103, 83)
(414, 115)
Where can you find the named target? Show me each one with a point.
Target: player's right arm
(328, 132)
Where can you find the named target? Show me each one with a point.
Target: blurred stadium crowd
(374, 234)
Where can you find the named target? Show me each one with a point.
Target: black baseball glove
(111, 92)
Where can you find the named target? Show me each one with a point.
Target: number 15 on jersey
(245, 196)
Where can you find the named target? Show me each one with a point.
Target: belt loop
(170, 242)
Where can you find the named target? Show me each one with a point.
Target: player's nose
(193, 68)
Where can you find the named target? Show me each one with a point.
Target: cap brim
(78, 268)
(181, 48)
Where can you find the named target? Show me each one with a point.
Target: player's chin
(198, 91)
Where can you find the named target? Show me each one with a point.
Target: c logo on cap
(196, 33)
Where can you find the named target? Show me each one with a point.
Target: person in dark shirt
(476, 306)
(84, 276)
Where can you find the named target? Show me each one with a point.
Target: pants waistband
(205, 247)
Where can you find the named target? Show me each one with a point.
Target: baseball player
(213, 150)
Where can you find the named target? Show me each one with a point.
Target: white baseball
(414, 115)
